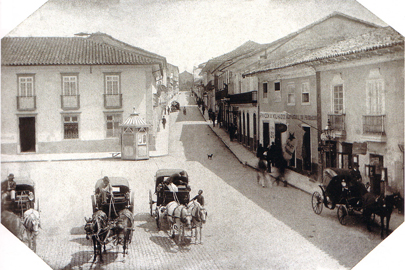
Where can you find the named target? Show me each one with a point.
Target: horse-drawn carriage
(174, 106)
(164, 178)
(112, 220)
(343, 189)
(173, 202)
(20, 209)
(21, 198)
(117, 199)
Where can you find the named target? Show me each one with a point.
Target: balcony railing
(70, 102)
(374, 124)
(337, 121)
(112, 101)
(26, 103)
(247, 97)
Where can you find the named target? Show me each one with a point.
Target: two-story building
(70, 94)
(288, 100)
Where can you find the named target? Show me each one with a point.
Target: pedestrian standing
(164, 122)
(272, 153)
(268, 158)
(213, 118)
(203, 109)
(261, 172)
(231, 131)
(260, 151)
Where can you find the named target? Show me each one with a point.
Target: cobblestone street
(248, 227)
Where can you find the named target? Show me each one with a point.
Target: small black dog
(210, 156)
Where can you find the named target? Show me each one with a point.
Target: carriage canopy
(163, 174)
(119, 184)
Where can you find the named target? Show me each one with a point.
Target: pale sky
(186, 32)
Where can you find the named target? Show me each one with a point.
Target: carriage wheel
(150, 203)
(317, 203)
(342, 214)
(157, 217)
(132, 202)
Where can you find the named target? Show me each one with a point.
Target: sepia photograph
(202, 134)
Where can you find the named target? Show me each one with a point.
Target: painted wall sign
(287, 116)
(359, 148)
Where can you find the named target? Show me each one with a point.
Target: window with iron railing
(374, 124)
(112, 93)
(337, 121)
(70, 92)
(71, 126)
(374, 120)
(26, 99)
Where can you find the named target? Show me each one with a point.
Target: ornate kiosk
(134, 138)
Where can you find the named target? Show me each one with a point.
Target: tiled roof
(382, 37)
(245, 48)
(66, 51)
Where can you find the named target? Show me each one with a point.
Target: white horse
(178, 216)
(31, 221)
(199, 217)
(26, 228)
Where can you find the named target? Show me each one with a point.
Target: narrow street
(248, 227)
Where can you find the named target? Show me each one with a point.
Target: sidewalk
(162, 149)
(249, 158)
(294, 179)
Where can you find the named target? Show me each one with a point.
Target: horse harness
(174, 211)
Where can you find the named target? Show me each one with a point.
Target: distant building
(186, 81)
(70, 94)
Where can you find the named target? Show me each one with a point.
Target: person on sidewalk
(272, 153)
(262, 176)
(203, 109)
(281, 165)
(164, 122)
(213, 118)
(268, 158)
(260, 151)
(232, 129)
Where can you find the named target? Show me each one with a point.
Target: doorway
(306, 149)
(266, 134)
(27, 134)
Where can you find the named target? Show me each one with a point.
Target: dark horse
(380, 206)
(100, 230)
(97, 228)
(123, 229)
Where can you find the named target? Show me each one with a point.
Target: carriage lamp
(31, 196)
(127, 196)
